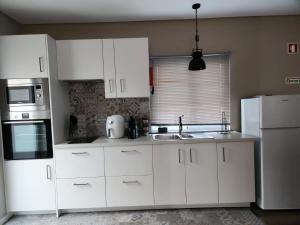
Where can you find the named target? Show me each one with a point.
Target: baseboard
(5, 218)
(132, 208)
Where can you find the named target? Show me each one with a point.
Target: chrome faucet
(180, 124)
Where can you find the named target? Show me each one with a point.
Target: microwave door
(19, 95)
(27, 139)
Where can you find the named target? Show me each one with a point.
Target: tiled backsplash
(88, 104)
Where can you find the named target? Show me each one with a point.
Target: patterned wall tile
(88, 104)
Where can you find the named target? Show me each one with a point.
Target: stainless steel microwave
(24, 95)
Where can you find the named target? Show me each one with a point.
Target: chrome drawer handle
(82, 184)
(80, 153)
(124, 151)
(131, 182)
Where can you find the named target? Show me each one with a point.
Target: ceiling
(83, 11)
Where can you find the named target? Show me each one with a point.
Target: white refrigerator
(275, 120)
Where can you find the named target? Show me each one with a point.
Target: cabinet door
(29, 185)
(236, 172)
(23, 56)
(201, 173)
(80, 59)
(109, 68)
(169, 174)
(132, 67)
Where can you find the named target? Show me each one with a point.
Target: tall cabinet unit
(126, 68)
(29, 184)
(23, 56)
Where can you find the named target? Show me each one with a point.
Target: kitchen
(118, 46)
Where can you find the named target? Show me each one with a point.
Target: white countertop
(148, 140)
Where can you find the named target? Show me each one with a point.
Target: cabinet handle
(131, 182)
(79, 153)
(191, 157)
(223, 151)
(81, 184)
(41, 64)
(122, 85)
(179, 156)
(111, 89)
(124, 151)
(48, 171)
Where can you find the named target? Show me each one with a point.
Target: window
(201, 96)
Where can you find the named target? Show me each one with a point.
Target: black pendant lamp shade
(197, 63)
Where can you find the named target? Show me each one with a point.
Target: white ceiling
(81, 11)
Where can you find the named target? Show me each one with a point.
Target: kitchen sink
(166, 136)
(196, 136)
(184, 136)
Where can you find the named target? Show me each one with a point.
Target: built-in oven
(24, 95)
(27, 139)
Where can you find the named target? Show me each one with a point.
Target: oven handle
(23, 122)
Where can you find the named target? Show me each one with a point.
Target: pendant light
(197, 63)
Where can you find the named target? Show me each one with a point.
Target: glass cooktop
(82, 140)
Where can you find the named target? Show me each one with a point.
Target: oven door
(30, 139)
(20, 95)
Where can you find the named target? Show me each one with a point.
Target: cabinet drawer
(129, 191)
(129, 160)
(81, 193)
(79, 162)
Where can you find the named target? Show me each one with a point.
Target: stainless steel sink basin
(166, 137)
(186, 136)
(196, 136)
(183, 136)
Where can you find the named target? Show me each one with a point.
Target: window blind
(201, 96)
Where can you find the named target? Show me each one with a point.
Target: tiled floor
(167, 217)
(281, 217)
(148, 217)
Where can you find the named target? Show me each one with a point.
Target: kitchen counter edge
(147, 140)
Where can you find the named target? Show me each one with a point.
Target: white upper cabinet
(80, 59)
(201, 173)
(169, 174)
(23, 56)
(236, 172)
(126, 73)
(109, 69)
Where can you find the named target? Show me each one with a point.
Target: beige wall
(7, 26)
(259, 61)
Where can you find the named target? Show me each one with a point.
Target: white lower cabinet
(29, 185)
(129, 191)
(169, 174)
(81, 193)
(201, 173)
(236, 172)
(161, 174)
